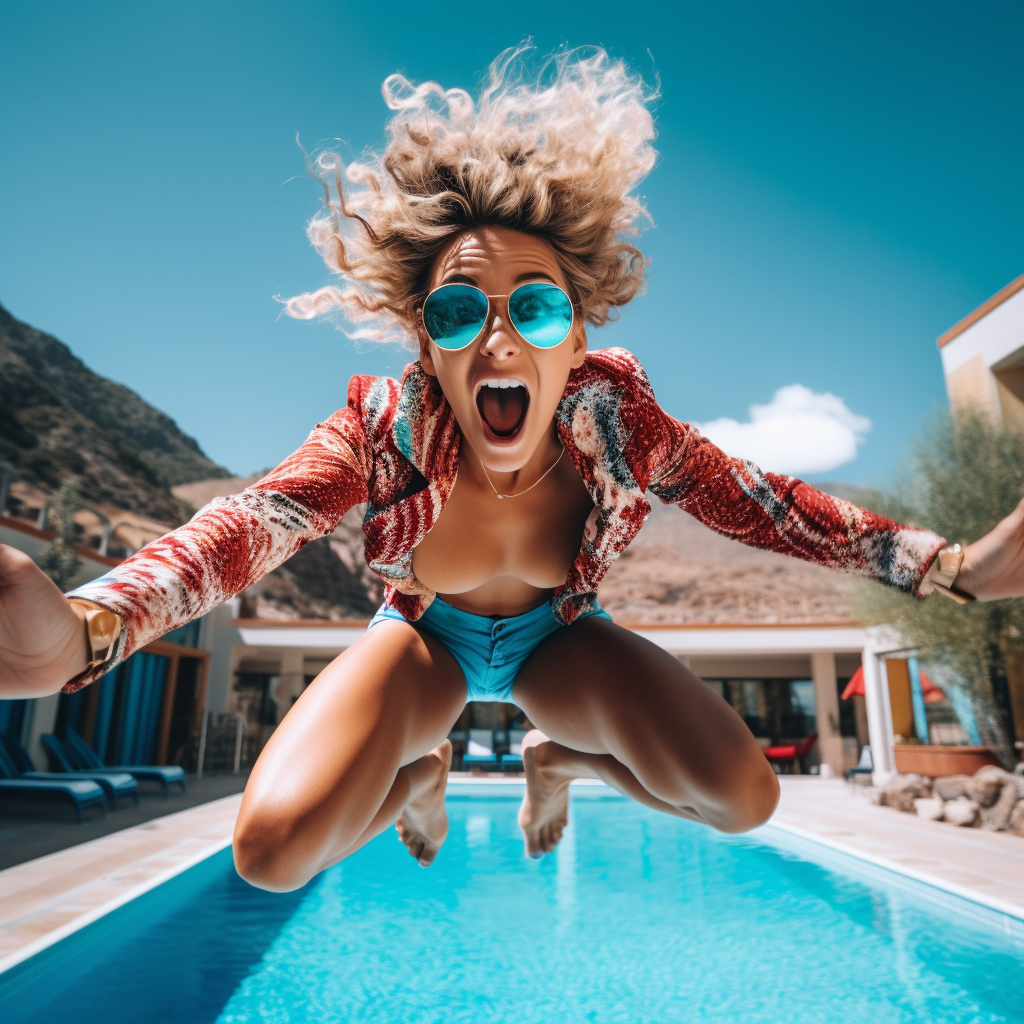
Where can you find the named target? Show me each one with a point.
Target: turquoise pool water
(637, 918)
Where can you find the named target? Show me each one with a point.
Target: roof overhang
(701, 639)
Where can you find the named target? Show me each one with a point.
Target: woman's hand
(993, 567)
(42, 640)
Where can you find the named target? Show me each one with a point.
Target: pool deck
(44, 900)
(986, 867)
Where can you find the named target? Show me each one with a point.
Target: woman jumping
(502, 475)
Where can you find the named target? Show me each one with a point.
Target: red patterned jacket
(395, 446)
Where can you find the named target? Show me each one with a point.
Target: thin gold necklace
(531, 487)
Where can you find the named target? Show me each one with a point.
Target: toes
(534, 847)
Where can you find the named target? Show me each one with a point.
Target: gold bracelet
(941, 576)
(102, 628)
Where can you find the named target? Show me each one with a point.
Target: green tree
(59, 560)
(965, 476)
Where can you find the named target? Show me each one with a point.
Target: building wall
(983, 357)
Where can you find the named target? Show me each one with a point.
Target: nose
(500, 341)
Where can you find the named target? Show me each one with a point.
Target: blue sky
(838, 184)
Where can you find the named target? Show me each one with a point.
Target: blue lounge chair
(80, 792)
(83, 758)
(458, 738)
(480, 751)
(114, 784)
(865, 767)
(513, 760)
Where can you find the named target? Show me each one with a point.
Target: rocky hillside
(680, 572)
(58, 418)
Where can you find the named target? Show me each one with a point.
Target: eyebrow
(525, 276)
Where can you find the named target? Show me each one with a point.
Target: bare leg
(362, 747)
(614, 707)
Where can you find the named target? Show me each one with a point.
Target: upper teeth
(502, 382)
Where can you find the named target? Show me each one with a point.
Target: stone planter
(935, 761)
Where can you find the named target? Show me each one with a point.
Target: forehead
(492, 253)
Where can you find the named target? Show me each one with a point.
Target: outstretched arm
(224, 548)
(780, 513)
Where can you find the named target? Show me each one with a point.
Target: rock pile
(991, 798)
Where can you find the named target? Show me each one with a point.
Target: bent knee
(751, 803)
(268, 851)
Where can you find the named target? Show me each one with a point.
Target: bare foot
(423, 824)
(545, 810)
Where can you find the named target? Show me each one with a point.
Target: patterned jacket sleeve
(780, 513)
(235, 541)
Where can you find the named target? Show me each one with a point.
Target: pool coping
(83, 920)
(195, 850)
(924, 877)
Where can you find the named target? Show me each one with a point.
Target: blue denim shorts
(489, 651)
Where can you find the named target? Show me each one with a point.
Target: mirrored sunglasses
(455, 315)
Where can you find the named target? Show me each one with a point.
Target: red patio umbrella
(931, 693)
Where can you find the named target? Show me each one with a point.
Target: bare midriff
(504, 557)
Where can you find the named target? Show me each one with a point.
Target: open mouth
(503, 403)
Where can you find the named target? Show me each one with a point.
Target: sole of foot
(545, 809)
(423, 824)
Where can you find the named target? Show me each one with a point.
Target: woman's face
(504, 426)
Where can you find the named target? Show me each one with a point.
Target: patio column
(826, 712)
(292, 681)
(42, 717)
(876, 698)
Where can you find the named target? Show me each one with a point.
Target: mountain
(679, 572)
(59, 418)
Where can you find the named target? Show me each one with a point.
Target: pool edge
(923, 877)
(1013, 912)
(95, 913)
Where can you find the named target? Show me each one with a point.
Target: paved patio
(987, 867)
(43, 900)
(28, 831)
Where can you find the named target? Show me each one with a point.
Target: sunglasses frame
(488, 318)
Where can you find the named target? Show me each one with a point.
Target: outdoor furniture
(513, 760)
(865, 766)
(458, 739)
(114, 784)
(480, 751)
(790, 754)
(80, 792)
(83, 758)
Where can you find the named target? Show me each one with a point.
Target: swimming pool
(637, 918)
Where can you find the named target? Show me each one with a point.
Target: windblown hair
(558, 159)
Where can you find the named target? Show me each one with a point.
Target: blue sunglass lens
(541, 313)
(454, 314)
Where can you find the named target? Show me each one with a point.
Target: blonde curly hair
(558, 158)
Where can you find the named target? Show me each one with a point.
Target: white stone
(929, 807)
(962, 812)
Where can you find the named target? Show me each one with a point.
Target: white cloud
(798, 431)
